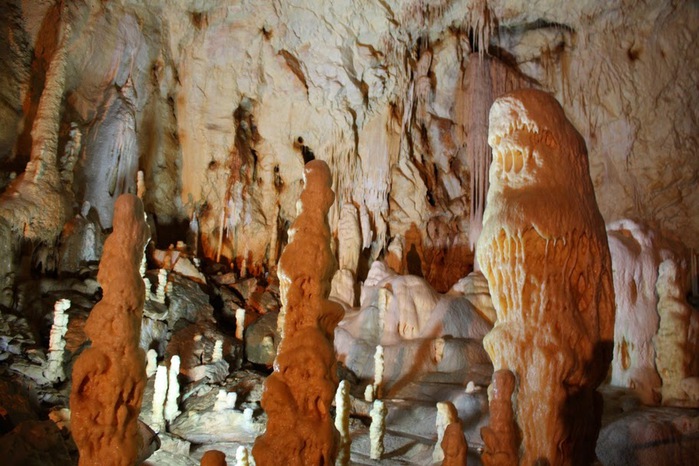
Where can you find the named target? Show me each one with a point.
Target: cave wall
(218, 102)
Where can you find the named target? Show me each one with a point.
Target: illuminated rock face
(298, 394)
(544, 252)
(109, 377)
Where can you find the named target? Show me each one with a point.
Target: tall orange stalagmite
(109, 377)
(298, 394)
(544, 252)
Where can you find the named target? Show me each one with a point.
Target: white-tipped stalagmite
(377, 429)
(378, 370)
(383, 300)
(446, 414)
(161, 292)
(151, 362)
(140, 185)
(241, 456)
(342, 409)
(157, 419)
(240, 323)
(217, 354)
(173, 390)
(369, 393)
(57, 344)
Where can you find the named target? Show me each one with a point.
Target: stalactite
(486, 78)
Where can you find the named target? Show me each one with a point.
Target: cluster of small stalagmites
(299, 393)
(544, 252)
(109, 377)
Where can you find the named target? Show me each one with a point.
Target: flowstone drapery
(544, 252)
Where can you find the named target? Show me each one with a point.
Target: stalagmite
(299, 392)
(369, 393)
(454, 445)
(446, 415)
(160, 293)
(378, 370)
(377, 429)
(109, 377)
(151, 362)
(674, 348)
(500, 436)
(240, 324)
(637, 254)
(342, 412)
(157, 422)
(241, 456)
(217, 354)
(173, 390)
(349, 238)
(213, 458)
(57, 344)
(544, 252)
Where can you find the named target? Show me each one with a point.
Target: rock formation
(377, 430)
(213, 458)
(299, 392)
(650, 312)
(109, 377)
(500, 437)
(674, 346)
(342, 424)
(57, 343)
(446, 415)
(454, 445)
(544, 252)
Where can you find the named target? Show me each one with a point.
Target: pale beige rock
(299, 392)
(673, 343)
(544, 252)
(342, 422)
(109, 377)
(377, 430)
(349, 239)
(637, 254)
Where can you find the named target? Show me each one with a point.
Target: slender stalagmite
(299, 392)
(109, 377)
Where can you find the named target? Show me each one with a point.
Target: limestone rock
(262, 340)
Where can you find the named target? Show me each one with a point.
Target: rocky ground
(200, 309)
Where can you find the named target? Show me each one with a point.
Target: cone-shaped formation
(544, 252)
(500, 436)
(109, 377)
(299, 392)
